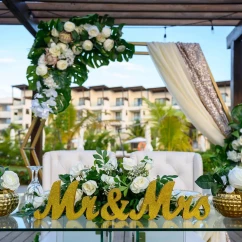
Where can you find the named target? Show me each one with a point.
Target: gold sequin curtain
(204, 84)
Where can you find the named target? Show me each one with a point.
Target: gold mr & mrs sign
(152, 204)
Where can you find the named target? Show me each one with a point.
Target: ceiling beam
(146, 1)
(144, 15)
(235, 35)
(22, 14)
(122, 7)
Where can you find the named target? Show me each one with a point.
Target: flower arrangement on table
(61, 53)
(107, 173)
(227, 179)
(9, 182)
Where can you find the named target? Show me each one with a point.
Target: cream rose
(69, 26)
(139, 184)
(62, 64)
(234, 156)
(239, 140)
(10, 180)
(79, 29)
(87, 26)
(55, 50)
(63, 47)
(106, 31)
(121, 48)
(89, 187)
(87, 45)
(149, 164)
(77, 49)
(128, 164)
(108, 179)
(38, 201)
(54, 33)
(235, 177)
(78, 195)
(76, 170)
(112, 164)
(41, 70)
(100, 38)
(235, 144)
(108, 44)
(93, 31)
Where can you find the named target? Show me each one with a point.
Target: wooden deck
(16, 236)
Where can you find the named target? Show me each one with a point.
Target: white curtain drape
(173, 71)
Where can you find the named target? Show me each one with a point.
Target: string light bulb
(165, 34)
(212, 28)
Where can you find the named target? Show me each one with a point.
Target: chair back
(187, 165)
(60, 162)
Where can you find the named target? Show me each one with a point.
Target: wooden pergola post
(234, 42)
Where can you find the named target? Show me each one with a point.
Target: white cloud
(7, 60)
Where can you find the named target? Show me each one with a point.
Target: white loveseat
(60, 162)
(187, 166)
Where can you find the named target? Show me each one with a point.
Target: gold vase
(229, 205)
(8, 202)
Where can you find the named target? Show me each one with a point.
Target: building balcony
(3, 126)
(5, 114)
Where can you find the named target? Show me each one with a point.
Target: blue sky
(16, 42)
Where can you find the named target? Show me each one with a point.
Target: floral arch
(61, 53)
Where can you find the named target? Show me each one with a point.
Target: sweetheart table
(123, 231)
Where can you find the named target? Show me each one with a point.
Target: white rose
(106, 31)
(55, 50)
(89, 187)
(240, 130)
(41, 60)
(108, 44)
(108, 179)
(121, 48)
(79, 29)
(234, 156)
(87, 45)
(62, 64)
(100, 38)
(235, 144)
(69, 26)
(235, 177)
(138, 207)
(128, 164)
(87, 26)
(78, 195)
(93, 31)
(62, 47)
(77, 49)
(41, 70)
(38, 201)
(76, 170)
(239, 140)
(139, 184)
(112, 164)
(10, 180)
(54, 33)
(224, 179)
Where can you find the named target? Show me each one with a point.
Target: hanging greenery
(61, 53)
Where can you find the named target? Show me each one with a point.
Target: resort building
(120, 106)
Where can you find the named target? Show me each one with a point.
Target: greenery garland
(61, 53)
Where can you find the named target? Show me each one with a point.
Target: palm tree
(96, 139)
(136, 130)
(64, 127)
(170, 127)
